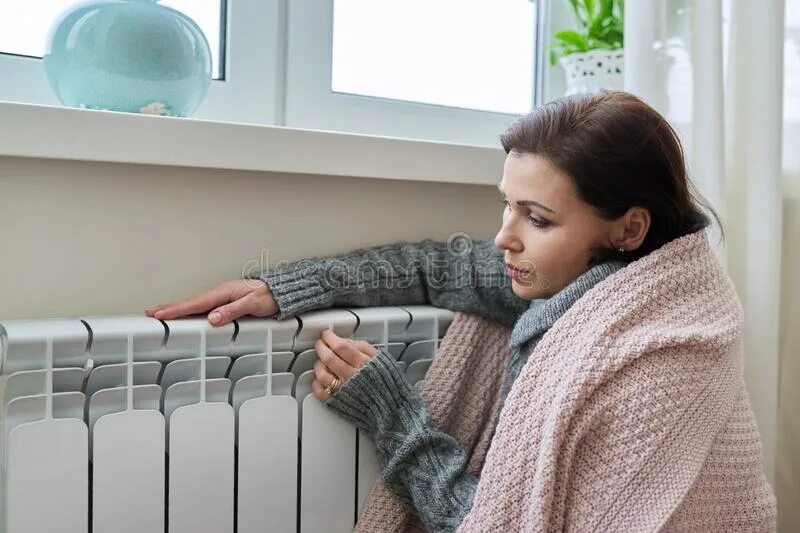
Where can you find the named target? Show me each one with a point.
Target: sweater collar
(543, 312)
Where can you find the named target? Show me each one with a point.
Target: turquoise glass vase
(128, 55)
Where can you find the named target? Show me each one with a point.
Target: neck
(544, 312)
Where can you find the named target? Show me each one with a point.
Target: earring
(621, 250)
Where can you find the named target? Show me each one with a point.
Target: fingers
(319, 391)
(250, 304)
(246, 305)
(193, 305)
(152, 310)
(365, 347)
(332, 361)
(323, 379)
(322, 374)
(346, 349)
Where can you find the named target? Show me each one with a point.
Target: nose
(506, 238)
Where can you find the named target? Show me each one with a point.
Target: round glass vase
(128, 55)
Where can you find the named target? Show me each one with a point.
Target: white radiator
(129, 424)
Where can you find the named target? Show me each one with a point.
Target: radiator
(129, 424)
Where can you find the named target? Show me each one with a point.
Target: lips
(515, 269)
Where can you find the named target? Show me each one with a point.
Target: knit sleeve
(425, 468)
(461, 275)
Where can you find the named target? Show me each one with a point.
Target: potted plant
(592, 56)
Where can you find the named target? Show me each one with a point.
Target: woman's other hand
(340, 357)
(227, 301)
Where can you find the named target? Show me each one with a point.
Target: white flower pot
(588, 72)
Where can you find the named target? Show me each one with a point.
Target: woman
(630, 414)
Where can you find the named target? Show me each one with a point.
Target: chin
(525, 291)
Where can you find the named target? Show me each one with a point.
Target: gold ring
(334, 386)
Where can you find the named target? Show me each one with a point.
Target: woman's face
(547, 232)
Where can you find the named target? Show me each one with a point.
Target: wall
(82, 238)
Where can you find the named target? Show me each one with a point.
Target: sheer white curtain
(716, 69)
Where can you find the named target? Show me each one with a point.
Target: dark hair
(620, 153)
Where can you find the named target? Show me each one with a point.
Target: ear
(631, 228)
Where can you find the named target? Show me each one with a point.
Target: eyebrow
(527, 202)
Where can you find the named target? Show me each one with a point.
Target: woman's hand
(227, 301)
(338, 357)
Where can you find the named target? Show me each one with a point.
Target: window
(452, 70)
(397, 51)
(245, 38)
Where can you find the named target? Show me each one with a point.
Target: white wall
(80, 238)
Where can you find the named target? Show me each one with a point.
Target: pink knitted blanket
(631, 413)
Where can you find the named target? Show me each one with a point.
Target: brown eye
(538, 222)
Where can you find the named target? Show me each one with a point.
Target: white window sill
(52, 132)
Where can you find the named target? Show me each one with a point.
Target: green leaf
(600, 26)
(599, 44)
(608, 30)
(614, 37)
(579, 11)
(606, 8)
(590, 10)
(574, 38)
(594, 28)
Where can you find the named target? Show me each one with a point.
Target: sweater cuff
(298, 290)
(376, 395)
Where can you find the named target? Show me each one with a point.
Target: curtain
(726, 73)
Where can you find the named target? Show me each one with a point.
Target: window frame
(273, 88)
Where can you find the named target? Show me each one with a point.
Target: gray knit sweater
(424, 467)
